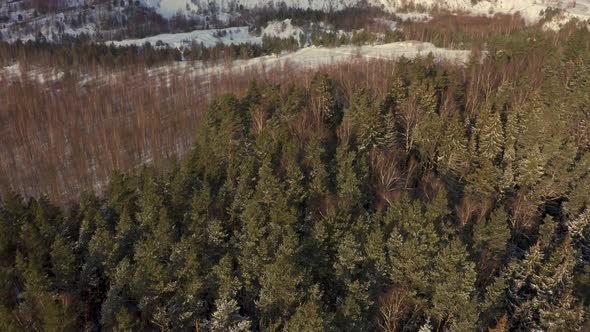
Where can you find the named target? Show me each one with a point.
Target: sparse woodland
(379, 196)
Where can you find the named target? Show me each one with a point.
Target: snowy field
(209, 38)
(312, 57)
(305, 58)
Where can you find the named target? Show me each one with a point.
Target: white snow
(413, 16)
(282, 29)
(54, 26)
(305, 58)
(168, 8)
(391, 24)
(311, 57)
(530, 10)
(209, 38)
(16, 72)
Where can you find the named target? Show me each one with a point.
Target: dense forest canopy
(452, 199)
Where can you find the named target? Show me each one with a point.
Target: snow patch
(305, 58)
(282, 29)
(169, 8)
(208, 38)
(530, 10)
(414, 16)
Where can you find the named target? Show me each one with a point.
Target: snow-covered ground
(282, 29)
(17, 21)
(208, 38)
(305, 58)
(315, 57)
(413, 16)
(168, 8)
(530, 10)
(312, 57)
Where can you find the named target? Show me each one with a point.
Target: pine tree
(189, 301)
(542, 284)
(531, 130)
(268, 187)
(325, 107)
(126, 235)
(355, 309)
(102, 246)
(376, 258)
(280, 280)
(489, 134)
(254, 248)
(64, 264)
(310, 316)
(491, 237)
(509, 155)
(227, 318)
(453, 282)
(428, 131)
(348, 180)
(117, 296)
(452, 150)
(35, 292)
(315, 155)
(367, 121)
(412, 244)
(125, 321)
(493, 307)
(153, 282)
(484, 180)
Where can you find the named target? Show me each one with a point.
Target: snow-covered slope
(282, 29)
(529, 9)
(168, 8)
(305, 58)
(103, 20)
(208, 38)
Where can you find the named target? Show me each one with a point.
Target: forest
(406, 195)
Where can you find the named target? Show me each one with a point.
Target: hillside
(367, 194)
(299, 166)
(102, 20)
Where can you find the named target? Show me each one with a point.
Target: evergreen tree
(310, 316)
(491, 237)
(64, 264)
(453, 278)
(279, 282)
(325, 106)
(489, 134)
(227, 317)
